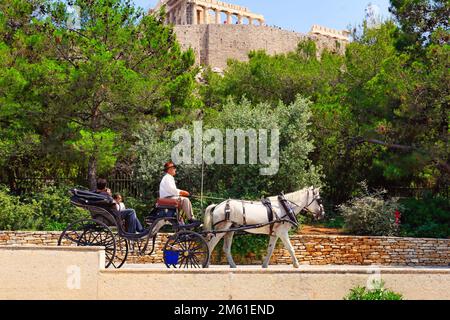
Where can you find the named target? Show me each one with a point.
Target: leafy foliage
(378, 292)
(419, 20)
(47, 210)
(80, 101)
(71, 94)
(295, 170)
(426, 218)
(246, 244)
(295, 145)
(378, 114)
(370, 215)
(15, 215)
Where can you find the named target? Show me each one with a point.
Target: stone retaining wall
(310, 249)
(49, 272)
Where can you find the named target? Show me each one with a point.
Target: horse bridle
(316, 197)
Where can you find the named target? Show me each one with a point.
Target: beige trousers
(186, 206)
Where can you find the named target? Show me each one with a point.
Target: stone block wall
(309, 249)
(214, 44)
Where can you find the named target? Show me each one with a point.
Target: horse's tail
(208, 220)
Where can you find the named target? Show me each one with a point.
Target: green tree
(122, 65)
(400, 104)
(24, 68)
(88, 85)
(270, 79)
(419, 20)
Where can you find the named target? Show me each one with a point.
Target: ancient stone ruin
(183, 12)
(198, 24)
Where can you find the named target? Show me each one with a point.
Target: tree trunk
(92, 173)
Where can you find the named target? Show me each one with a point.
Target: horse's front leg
(272, 243)
(284, 235)
(227, 241)
(217, 237)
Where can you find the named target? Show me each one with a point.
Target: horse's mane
(293, 196)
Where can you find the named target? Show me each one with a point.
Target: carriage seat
(100, 207)
(168, 203)
(164, 208)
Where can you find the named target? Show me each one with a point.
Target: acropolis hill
(218, 31)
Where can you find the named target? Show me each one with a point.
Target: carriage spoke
(192, 248)
(93, 233)
(196, 262)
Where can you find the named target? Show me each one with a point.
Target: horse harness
(228, 213)
(272, 216)
(271, 213)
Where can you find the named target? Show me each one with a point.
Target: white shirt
(168, 188)
(120, 206)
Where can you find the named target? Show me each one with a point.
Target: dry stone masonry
(309, 249)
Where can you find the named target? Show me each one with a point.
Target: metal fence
(120, 183)
(419, 193)
(127, 185)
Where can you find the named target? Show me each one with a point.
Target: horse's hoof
(296, 266)
(265, 267)
(233, 267)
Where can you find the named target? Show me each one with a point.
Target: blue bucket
(171, 257)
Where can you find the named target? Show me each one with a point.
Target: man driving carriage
(129, 215)
(168, 189)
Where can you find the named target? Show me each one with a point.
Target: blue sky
(300, 15)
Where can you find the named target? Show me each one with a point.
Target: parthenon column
(205, 15)
(178, 16)
(240, 19)
(183, 14)
(217, 16)
(194, 14)
(229, 18)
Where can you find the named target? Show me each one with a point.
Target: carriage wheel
(186, 249)
(121, 252)
(90, 232)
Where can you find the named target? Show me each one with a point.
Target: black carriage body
(107, 222)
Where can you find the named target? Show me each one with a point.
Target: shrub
(378, 292)
(428, 217)
(14, 215)
(370, 214)
(48, 210)
(53, 208)
(245, 244)
(336, 222)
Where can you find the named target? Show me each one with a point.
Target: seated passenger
(129, 215)
(168, 189)
(119, 202)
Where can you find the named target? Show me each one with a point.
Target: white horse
(247, 213)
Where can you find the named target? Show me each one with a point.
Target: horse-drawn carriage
(184, 249)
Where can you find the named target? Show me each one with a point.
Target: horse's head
(314, 204)
(308, 200)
